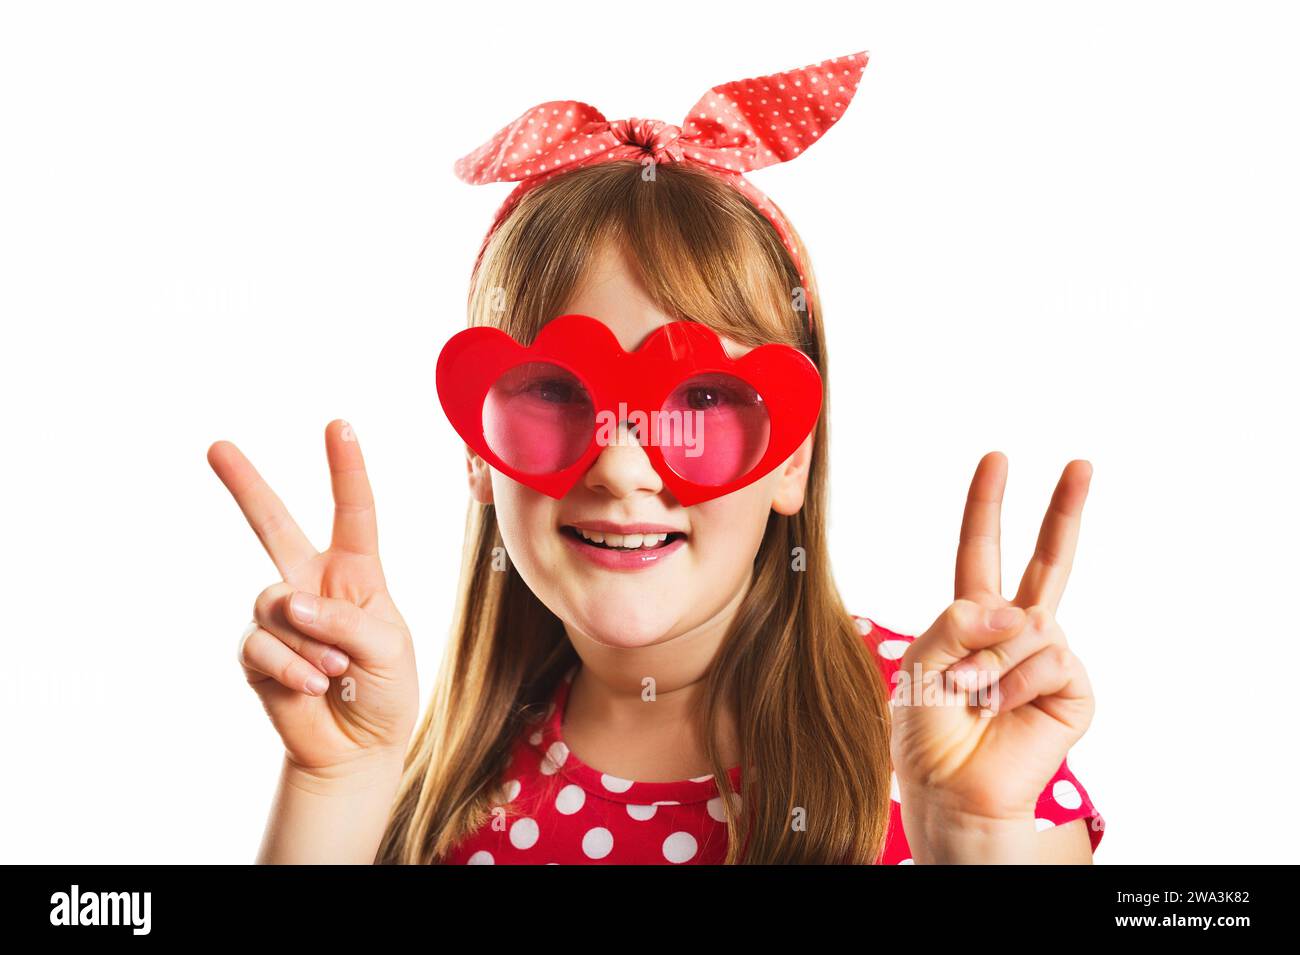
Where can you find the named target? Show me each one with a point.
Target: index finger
(979, 552)
(279, 533)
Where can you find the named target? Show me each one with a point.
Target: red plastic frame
(784, 377)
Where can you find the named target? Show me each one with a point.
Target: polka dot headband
(734, 128)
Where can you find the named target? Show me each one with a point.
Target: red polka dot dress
(562, 811)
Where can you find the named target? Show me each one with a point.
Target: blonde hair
(811, 705)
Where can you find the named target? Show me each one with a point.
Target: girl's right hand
(348, 627)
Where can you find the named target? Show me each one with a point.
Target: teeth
(624, 541)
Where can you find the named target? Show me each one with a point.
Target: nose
(622, 468)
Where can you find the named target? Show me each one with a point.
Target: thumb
(342, 624)
(964, 627)
(1002, 619)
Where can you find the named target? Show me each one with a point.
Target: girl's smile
(623, 546)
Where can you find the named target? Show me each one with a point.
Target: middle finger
(1045, 577)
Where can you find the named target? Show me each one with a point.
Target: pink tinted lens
(538, 418)
(714, 428)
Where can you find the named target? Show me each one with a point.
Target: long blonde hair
(809, 700)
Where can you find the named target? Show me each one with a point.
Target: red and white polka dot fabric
(735, 127)
(565, 812)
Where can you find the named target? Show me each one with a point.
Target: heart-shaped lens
(714, 429)
(538, 418)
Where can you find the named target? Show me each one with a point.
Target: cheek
(728, 530)
(525, 518)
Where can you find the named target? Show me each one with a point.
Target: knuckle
(266, 602)
(271, 525)
(1015, 683)
(292, 673)
(256, 655)
(1059, 656)
(961, 614)
(241, 651)
(358, 508)
(1040, 618)
(996, 658)
(1089, 710)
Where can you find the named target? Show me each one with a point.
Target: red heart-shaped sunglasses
(709, 424)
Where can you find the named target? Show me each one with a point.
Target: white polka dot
(907, 862)
(864, 625)
(555, 756)
(641, 813)
(597, 843)
(524, 833)
(1066, 794)
(614, 783)
(716, 810)
(892, 649)
(536, 738)
(482, 857)
(702, 779)
(1041, 824)
(894, 792)
(570, 799)
(680, 847)
(510, 790)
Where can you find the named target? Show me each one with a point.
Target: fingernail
(333, 660)
(317, 684)
(1003, 617)
(303, 607)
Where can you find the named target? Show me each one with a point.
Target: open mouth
(626, 543)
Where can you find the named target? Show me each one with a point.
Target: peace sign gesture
(330, 615)
(1003, 699)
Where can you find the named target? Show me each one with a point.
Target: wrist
(373, 769)
(939, 833)
(334, 814)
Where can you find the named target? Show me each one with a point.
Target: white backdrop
(1053, 230)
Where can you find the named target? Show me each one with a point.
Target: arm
(958, 839)
(335, 818)
(332, 662)
(1065, 845)
(999, 697)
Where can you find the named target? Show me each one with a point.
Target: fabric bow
(735, 127)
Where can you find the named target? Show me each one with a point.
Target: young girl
(635, 680)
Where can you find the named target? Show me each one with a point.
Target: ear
(480, 477)
(792, 479)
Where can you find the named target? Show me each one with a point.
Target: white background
(1053, 230)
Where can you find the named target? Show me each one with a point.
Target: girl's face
(696, 581)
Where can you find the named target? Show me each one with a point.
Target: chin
(611, 626)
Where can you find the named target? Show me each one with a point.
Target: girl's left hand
(982, 766)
